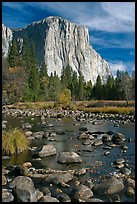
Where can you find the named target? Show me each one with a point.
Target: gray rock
(106, 138)
(46, 191)
(68, 43)
(48, 199)
(69, 157)
(109, 186)
(130, 192)
(81, 192)
(26, 126)
(97, 143)
(125, 171)
(23, 189)
(59, 178)
(38, 135)
(94, 200)
(118, 138)
(7, 197)
(46, 150)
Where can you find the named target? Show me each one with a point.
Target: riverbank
(97, 106)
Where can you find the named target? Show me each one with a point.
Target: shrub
(64, 98)
(14, 141)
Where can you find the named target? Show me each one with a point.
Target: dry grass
(14, 141)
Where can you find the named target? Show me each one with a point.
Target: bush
(14, 141)
(64, 98)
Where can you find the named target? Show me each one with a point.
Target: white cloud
(103, 16)
(122, 66)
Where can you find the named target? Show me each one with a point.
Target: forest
(24, 80)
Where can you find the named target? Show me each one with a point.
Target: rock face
(60, 42)
(7, 35)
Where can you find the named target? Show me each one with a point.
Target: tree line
(24, 80)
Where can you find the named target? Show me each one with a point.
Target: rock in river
(81, 192)
(59, 178)
(46, 150)
(118, 138)
(69, 157)
(108, 186)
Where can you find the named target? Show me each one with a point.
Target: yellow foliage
(65, 97)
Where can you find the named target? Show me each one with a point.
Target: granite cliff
(60, 42)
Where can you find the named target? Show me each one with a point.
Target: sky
(111, 25)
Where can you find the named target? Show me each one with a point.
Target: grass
(94, 106)
(14, 141)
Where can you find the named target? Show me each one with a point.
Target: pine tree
(97, 89)
(13, 56)
(81, 85)
(88, 90)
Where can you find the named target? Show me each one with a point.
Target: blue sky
(111, 25)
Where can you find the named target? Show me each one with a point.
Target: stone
(4, 180)
(81, 192)
(94, 200)
(46, 191)
(23, 189)
(97, 143)
(108, 186)
(38, 135)
(118, 138)
(7, 197)
(28, 133)
(64, 198)
(130, 192)
(27, 164)
(27, 126)
(83, 129)
(80, 172)
(46, 150)
(125, 171)
(106, 138)
(47, 198)
(20, 170)
(69, 157)
(59, 178)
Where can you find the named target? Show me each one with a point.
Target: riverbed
(67, 132)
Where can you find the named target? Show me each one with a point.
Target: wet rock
(80, 172)
(130, 192)
(21, 179)
(46, 150)
(108, 186)
(83, 136)
(4, 180)
(106, 138)
(81, 192)
(26, 126)
(130, 182)
(38, 135)
(64, 198)
(118, 138)
(120, 161)
(47, 198)
(97, 143)
(106, 153)
(88, 142)
(7, 197)
(46, 191)
(28, 133)
(69, 157)
(125, 171)
(96, 122)
(83, 129)
(59, 178)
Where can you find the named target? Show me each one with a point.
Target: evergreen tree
(81, 85)
(33, 75)
(88, 90)
(13, 56)
(74, 86)
(97, 89)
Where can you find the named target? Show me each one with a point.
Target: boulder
(81, 192)
(106, 138)
(108, 186)
(24, 190)
(7, 197)
(64, 198)
(48, 199)
(118, 138)
(46, 150)
(69, 157)
(59, 178)
(130, 192)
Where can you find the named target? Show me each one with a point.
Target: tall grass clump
(14, 142)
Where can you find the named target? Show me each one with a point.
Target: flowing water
(69, 142)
